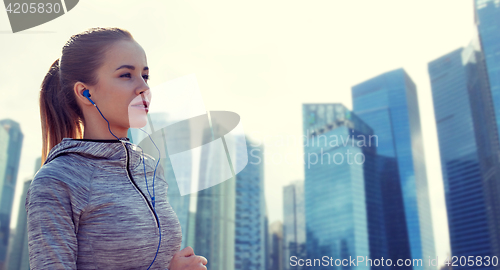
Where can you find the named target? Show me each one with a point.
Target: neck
(99, 132)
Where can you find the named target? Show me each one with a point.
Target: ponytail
(59, 120)
(82, 55)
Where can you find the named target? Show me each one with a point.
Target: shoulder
(64, 176)
(67, 169)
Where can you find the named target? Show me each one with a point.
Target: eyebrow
(130, 67)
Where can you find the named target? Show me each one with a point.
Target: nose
(143, 89)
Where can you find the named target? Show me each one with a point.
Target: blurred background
(371, 126)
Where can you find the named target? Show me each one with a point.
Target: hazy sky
(260, 59)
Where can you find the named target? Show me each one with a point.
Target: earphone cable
(106, 121)
(87, 95)
(147, 188)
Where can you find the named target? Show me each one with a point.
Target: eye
(127, 75)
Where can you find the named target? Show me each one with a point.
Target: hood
(106, 150)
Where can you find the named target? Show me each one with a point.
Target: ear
(78, 88)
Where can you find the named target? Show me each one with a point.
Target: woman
(89, 206)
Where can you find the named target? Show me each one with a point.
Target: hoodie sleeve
(53, 208)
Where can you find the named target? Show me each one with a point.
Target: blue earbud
(87, 95)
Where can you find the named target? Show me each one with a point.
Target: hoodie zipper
(129, 174)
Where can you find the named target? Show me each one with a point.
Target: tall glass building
(250, 221)
(396, 230)
(275, 246)
(215, 213)
(487, 17)
(343, 204)
(468, 144)
(11, 140)
(267, 241)
(18, 250)
(388, 103)
(294, 229)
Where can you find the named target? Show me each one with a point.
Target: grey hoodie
(88, 208)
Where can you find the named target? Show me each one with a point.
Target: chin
(137, 120)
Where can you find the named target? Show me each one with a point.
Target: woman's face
(122, 90)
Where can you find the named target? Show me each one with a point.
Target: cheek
(119, 109)
(112, 98)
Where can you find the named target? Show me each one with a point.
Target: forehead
(125, 52)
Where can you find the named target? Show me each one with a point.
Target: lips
(143, 104)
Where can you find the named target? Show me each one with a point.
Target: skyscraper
(276, 246)
(18, 251)
(388, 103)
(267, 239)
(18, 255)
(343, 205)
(294, 229)
(468, 143)
(250, 222)
(215, 212)
(4, 233)
(11, 140)
(487, 17)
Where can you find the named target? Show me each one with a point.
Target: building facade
(468, 147)
(487, 18)
(276, 246)
(343, 207)
(11, 140)
(388, 103)
(215, 212)
(294, 229)
(18, 252)
(250, 220)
